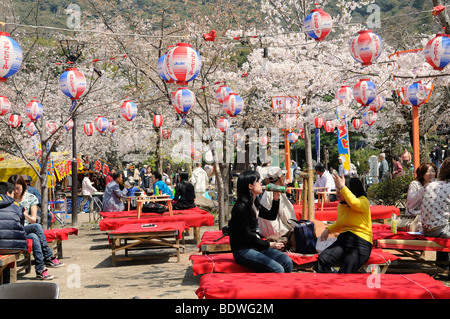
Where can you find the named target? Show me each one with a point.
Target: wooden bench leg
(197, 234)
(177, 241)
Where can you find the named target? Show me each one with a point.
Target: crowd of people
(261, 221)
(144, 181)
(260, 214)
(19, 222)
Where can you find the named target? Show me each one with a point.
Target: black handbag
(305, 237)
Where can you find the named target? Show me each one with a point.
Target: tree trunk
(443, 17)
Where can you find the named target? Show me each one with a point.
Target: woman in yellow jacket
(353, 246)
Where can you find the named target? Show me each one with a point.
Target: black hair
(6, 187)
(157, 176)
(355, 185)
(184, 176)
(243, 193)
(116, 175)
(320, 167)
(18, 179)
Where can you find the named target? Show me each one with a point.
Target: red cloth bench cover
(384, 232)
(192, 220)
(209, 237)
(133, 213)
(160, 226)
(320, 286)
(224, 263)
(330, 213)
(61, 234)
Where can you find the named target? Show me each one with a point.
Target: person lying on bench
(354, 243)
(248, 249)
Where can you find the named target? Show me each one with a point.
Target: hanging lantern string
(91, 62)
(198, 38)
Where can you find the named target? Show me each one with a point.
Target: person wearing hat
(383, 168)
(280, 226)
(324, 179)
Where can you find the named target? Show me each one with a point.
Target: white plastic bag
(322, 245)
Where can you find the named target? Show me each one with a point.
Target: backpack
(154, 208)
(303, 238)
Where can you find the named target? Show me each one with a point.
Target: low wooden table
(153, 199)
(298, 193)
(142, 197)
(322, 196)
(157, 235)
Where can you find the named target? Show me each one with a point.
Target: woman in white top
(435, 210)
(426, 173)
(281, 225)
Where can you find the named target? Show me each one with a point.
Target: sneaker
(54, 263)
(44, 275)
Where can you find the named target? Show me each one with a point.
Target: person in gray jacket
(383, 169)
(112, 199)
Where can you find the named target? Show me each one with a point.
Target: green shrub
(390, 192)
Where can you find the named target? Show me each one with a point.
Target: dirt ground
(88, 272)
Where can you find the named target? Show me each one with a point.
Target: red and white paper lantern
(437, 51)
(101, 124)
(318, 122)
(88, 129)
(366, 47)
(233, 104)
(356, 124)
(128, 110)
(158, 121)
(166, 134)
(364, 92)
(10, 56)
(69, 125)
(377, 104)
(72, 83)
(329, 126)
(292, 137)
(344, 94)
(51, 127)
(264, 140)
(31, 128)
(183, 63)
(112, 126)
(14, 120)
(222, 92)
(34, 110)
(5, 105)
(223, 124)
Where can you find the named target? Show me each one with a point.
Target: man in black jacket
(12, 235)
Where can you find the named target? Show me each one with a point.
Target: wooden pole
(416, 148)
(287, 155)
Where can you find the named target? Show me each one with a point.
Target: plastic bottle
(156, 191)
(394, 224)
(296, 184)
(274, 188)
